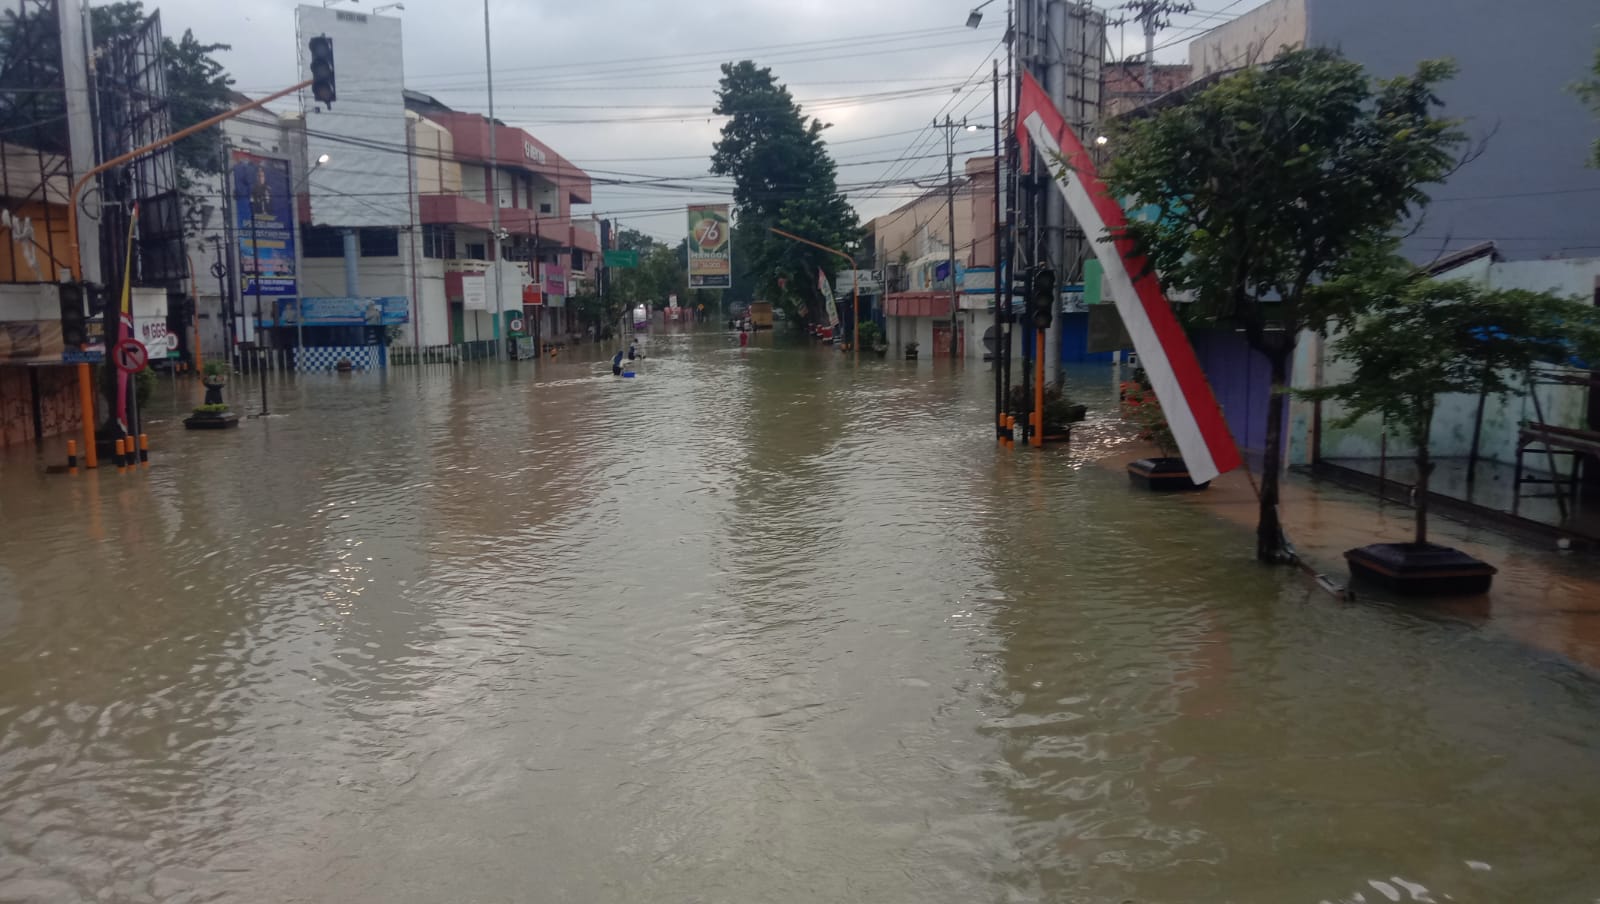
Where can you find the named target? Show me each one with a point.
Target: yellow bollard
(144, 449)
(72, 456)
(118, 457)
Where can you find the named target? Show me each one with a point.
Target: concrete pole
(494, 187)
(75, 38)
(950, 206)
(352, 258)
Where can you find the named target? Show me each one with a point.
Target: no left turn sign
(130, 356)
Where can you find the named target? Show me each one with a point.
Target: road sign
(130, 356)
(516, 324)
(621, 258)
(172, 342)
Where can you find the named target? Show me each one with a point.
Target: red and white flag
(1164, 351)
(826, 288)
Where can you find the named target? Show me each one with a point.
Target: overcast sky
(626, 86)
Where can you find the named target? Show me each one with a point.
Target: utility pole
(1152, 16)
(255, 265)
(494, 185)
(950, 127)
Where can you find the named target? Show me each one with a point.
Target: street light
(378, 9)
(975, 18)
(1102, 140)
(328, 3)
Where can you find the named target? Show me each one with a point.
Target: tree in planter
(1420, 339)
(1271, 181)
(1139, 405)
(1059, 409)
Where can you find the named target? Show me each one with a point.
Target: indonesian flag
(1191, 410)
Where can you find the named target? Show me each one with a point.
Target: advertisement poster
(555, 279)
(387, 310)
(263, 209)
(826, 288)
(710, 247)
(474, 293)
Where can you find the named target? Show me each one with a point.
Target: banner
(827, 295)
(555, 279)
(710, 247)
(1164, 351)
(387, 310)
(263, 209)
(474, 293)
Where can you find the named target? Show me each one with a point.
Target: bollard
(72, 456)
(122, 464)
(144, 449)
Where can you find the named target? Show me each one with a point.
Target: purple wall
(1242, 380)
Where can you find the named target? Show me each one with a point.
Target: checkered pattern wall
(319, 358)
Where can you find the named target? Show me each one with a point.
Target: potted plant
(872, 338)
(911, 350)
(213, 414)
(1423, 338)
(1165, 472)
(1060, 412)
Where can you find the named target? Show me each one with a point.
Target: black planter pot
(911, 354)
(1425, 570)
(1163, 475)
(211, 421)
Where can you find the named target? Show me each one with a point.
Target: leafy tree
(198, 87)
(1423, 338)
(782, 177)
(1268, 183)
(1589, 90)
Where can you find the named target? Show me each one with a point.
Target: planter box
(1425, 570)
(1163, 475)
(220, 421)
(911, 354)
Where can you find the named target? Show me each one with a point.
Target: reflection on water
(757, 626)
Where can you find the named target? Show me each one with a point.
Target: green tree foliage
(1422, 338)
(1271, 181)
(1589, 90)
(782, 177)
(198, 87)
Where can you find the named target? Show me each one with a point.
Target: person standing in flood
(616, 364)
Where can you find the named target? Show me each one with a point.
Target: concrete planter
(1425, 570)
(1162, 475)
(211, 421)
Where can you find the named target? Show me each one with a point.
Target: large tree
(782, 177)
(1589, 90)
(1271, 181)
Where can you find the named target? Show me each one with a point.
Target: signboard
(710, 247)
(172, 345)
(263, 215)
(516, 324)
(621, 259)
(555, 279)
(387, 310)
(474, 293)
(130, 356)
(868, 281)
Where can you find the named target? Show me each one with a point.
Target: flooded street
(755, 627)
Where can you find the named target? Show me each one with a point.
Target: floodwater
(754, 627)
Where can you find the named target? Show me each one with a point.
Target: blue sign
(388, 310)
(79, 356)
(263, 208)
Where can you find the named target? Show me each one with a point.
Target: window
(438, 242)
(577, 260)
(477, 251)
(380, 243)
(322, 241)
(543, 207)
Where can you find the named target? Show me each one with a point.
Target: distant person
(616, 364)
(633, 351)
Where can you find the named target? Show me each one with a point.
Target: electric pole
(950, 127)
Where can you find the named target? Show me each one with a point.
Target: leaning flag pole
(125, 320)
(1164, 351)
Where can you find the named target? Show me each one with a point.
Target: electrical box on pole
(322, 85)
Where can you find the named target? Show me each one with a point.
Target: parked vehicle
(761, 315)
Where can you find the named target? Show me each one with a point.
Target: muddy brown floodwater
(754, 627)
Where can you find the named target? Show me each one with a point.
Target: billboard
(710, 247)
(387, 310)
(364, 182)
(555, 279)
(263, 218)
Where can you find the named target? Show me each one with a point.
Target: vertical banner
(710, 247)
(827, 294)
(263, 206)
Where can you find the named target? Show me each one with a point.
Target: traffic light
(1042, 297)
(321, 48)
(74, 331)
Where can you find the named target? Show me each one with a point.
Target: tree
(198, 87)
(1589, 90)
(1423, 338)
(782, 177)
(1271, 181)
